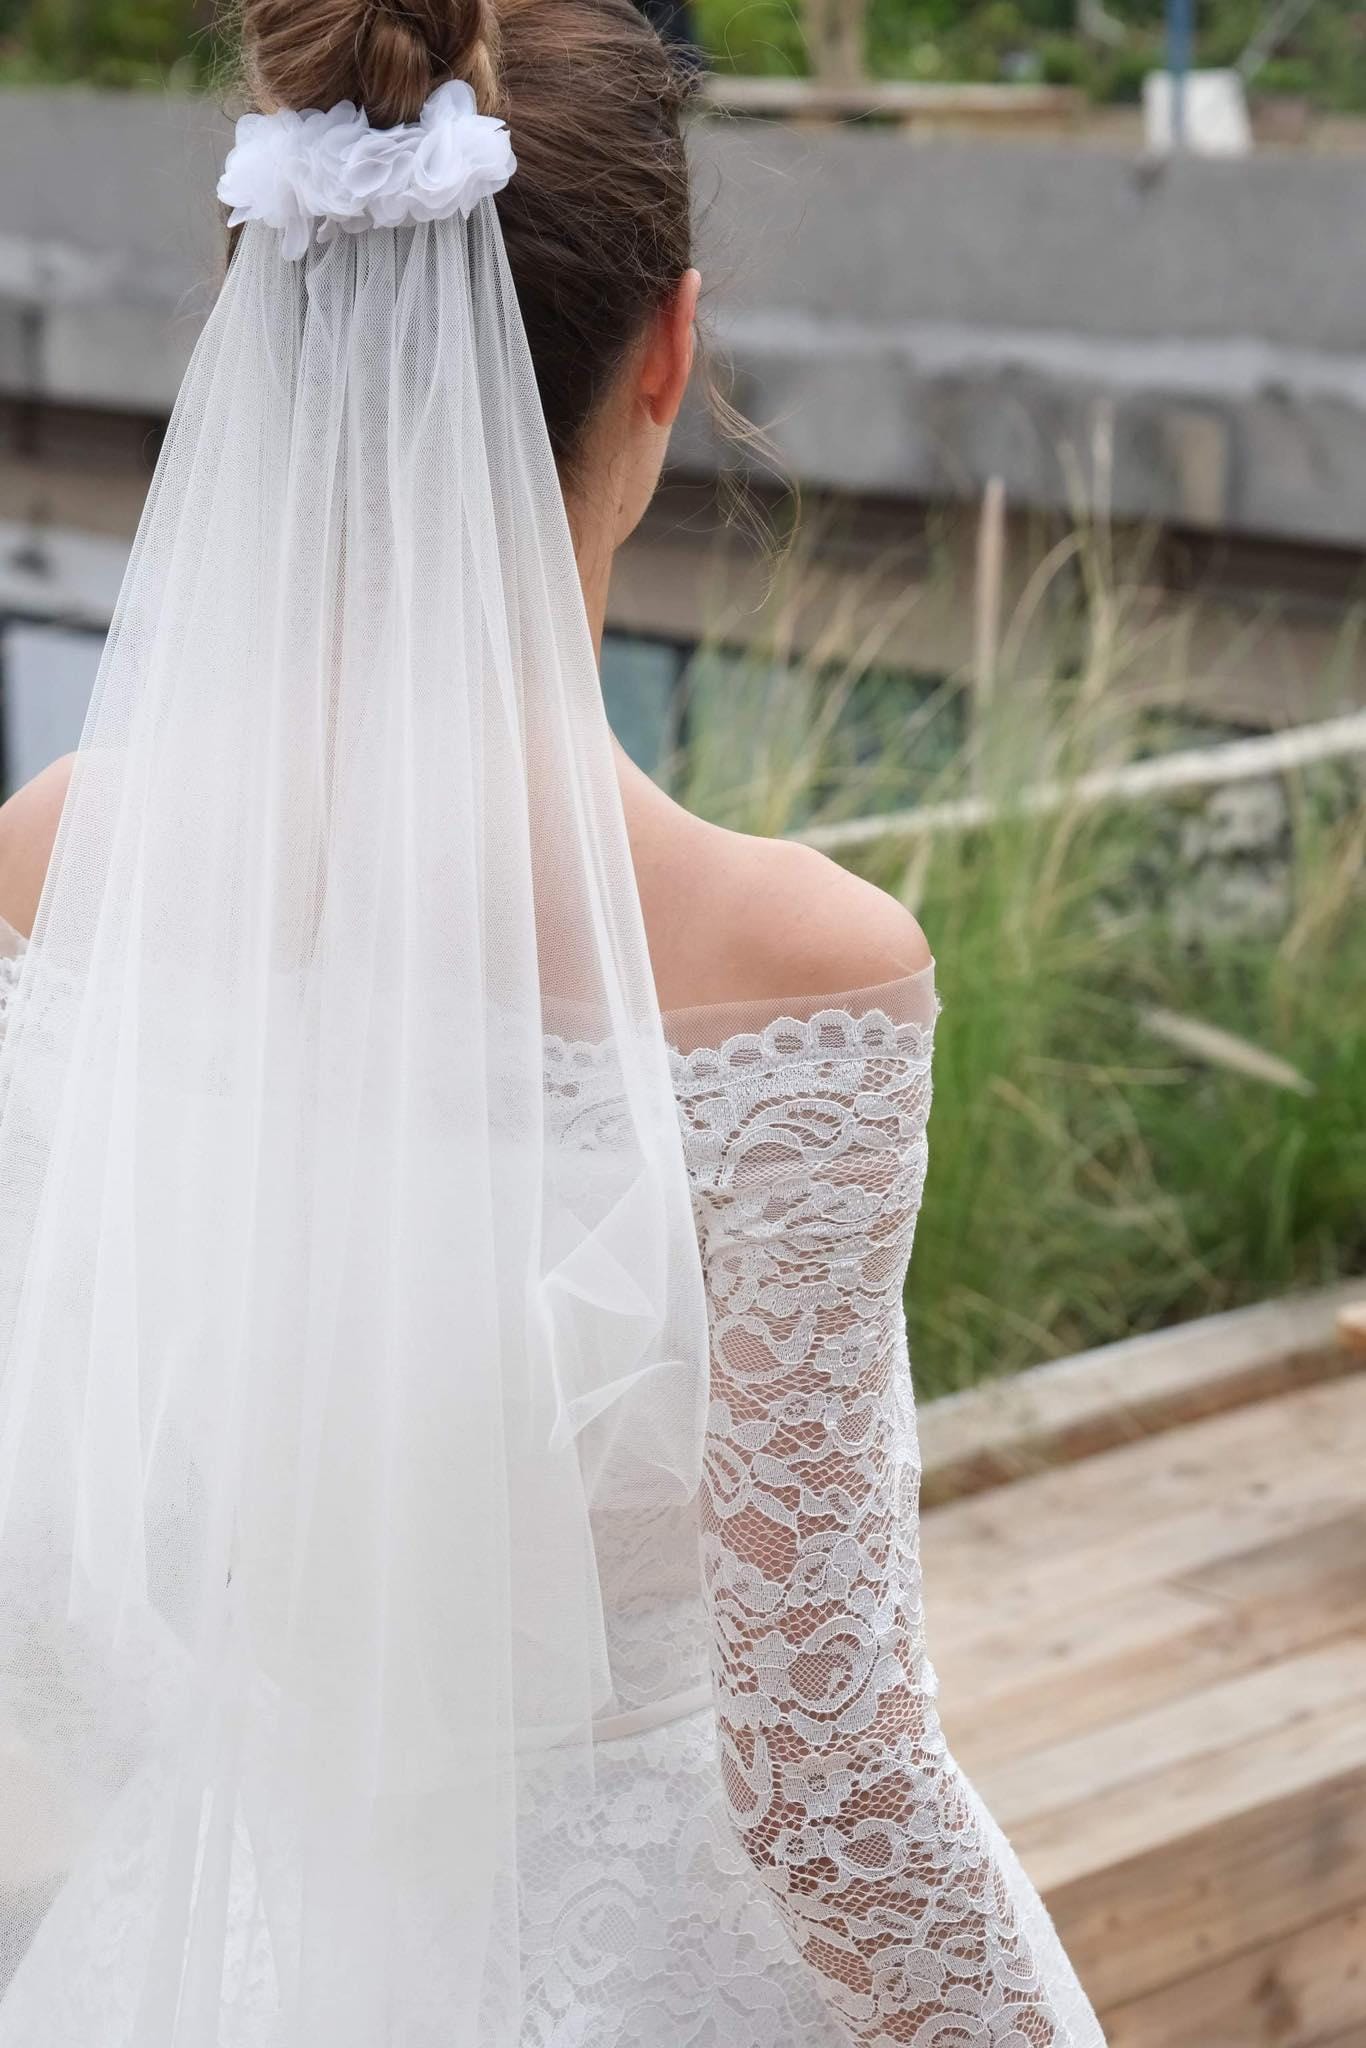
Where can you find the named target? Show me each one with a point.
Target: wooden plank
(1031, 1623)
(1301, 1568)
(1172, 1868)
(1136, 1929)
(1072, 1537)
(1072, 1842)
(1302, 1991)
(1152, 1646)
(1154, 1665)
(1015, 1681)
(1002, 1545)
(1177, 1550)
(1222, 1458)
(1057, 1413)
(1272, 1699)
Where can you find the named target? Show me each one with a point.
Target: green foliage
(754, 38)
(117, 43)
(1087, 1180)
(985, 40)
(152, 42)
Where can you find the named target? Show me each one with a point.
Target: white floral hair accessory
(298, 172)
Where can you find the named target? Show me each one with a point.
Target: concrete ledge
(977, 106)
(912, 315)
(1236, 434)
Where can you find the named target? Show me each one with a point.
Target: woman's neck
(593, 553)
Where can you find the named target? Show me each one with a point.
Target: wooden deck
(1152, 1643)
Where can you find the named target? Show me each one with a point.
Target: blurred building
(1170, 356)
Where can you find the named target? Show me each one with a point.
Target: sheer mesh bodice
(780, 1852)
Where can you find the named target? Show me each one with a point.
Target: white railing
(1211, 767)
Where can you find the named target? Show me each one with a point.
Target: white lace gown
(780, 1852)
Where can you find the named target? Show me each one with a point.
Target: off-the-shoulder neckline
(873, 997)
(710, 1026)
(909, 999)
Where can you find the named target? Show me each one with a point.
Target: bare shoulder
(736, 919)
(28, 830)
(812, 927)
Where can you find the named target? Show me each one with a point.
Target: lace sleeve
(837, 1778)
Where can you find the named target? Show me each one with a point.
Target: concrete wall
(1186, 341)
(108, 224)
(1053, 236)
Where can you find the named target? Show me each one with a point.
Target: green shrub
(1088, 1178)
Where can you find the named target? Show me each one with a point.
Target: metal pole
(1180, 37)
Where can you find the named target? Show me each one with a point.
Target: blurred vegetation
(117, 43)
(1102, 46)
(1089, 1180)
(1090, 1177)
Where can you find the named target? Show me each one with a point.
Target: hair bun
(387, 56)
(597, 223)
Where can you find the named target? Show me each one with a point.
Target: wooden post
(1352, 1326)
(835, 31)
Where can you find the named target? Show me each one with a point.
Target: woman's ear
(669, 352)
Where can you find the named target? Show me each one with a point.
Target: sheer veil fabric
(320, 1335)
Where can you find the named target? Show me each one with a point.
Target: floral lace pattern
(799, 1864)
(808, 1146)
(802, 1866)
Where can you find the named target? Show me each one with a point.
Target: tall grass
(1089, 1178)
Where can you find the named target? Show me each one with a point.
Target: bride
(459, 1568)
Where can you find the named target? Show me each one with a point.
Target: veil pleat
(334, 1301)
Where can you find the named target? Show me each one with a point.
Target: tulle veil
(329, 1313)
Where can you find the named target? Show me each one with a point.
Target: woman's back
(770, 1772)
(733, 920)
(730, 919)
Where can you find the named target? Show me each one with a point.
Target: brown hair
(598, 219)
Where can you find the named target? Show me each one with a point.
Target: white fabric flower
(332, 171)
(259, 179)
